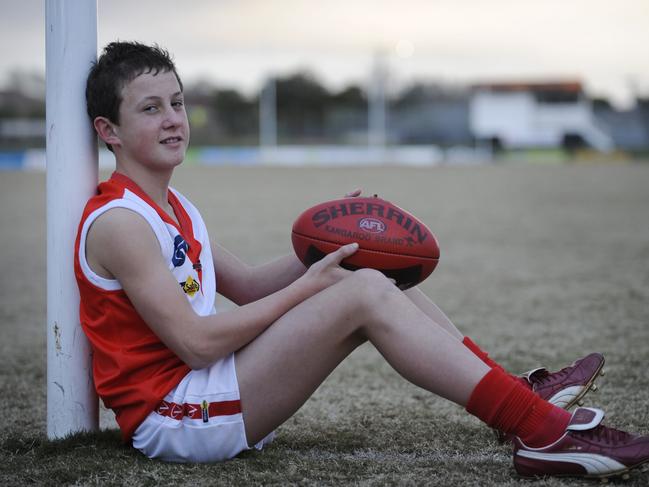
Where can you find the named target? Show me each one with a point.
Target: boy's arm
(244, 284)
(122, 245)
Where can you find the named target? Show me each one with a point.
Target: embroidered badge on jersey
(180, 251)
(206, 411)
(190, 286)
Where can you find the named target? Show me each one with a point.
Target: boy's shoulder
(112, 199)
(107, 191)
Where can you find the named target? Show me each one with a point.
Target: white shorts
(198, 421)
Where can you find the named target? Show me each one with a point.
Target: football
(390, 239)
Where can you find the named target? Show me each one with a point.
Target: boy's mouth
(171, 140)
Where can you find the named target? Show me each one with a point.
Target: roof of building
(569, 86)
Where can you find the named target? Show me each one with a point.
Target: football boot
(565, 387)
(569, 385)
(587, 449)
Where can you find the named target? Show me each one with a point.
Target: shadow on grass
(40, 446)
(87, 457)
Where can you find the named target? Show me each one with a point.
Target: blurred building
(522, 115)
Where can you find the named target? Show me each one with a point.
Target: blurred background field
(540, 264)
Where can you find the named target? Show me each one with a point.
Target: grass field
(540, 264)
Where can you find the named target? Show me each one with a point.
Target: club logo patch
(190, 286)
(180, 251)
(205, 409)
(372, 225)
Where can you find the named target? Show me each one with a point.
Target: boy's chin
(174, 159)
(165, 164)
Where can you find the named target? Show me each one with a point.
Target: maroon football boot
(587, 449)
(565, 387)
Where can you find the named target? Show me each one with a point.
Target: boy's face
(153, 129)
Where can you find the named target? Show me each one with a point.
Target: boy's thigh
(281, 368)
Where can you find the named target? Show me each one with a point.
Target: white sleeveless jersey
(193, 268)
(133, 370)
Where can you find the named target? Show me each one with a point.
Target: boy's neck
(154, 184)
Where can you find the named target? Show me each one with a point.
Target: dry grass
(540, 264)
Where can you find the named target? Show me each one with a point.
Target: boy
(188, 384)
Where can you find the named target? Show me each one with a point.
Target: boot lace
(544, 377)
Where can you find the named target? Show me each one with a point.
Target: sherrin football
(390, 239)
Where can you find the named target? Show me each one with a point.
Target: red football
(390, 239)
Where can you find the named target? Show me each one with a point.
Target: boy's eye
(150, 108)
(178, 103)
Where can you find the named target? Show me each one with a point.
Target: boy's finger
(343, 252)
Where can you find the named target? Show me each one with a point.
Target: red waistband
(197, 411)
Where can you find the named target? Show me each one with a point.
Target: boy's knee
(371, 286)
(365, 294)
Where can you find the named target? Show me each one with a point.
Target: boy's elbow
(199, 353)
(193, 358)
(196, 361)
(196, 364)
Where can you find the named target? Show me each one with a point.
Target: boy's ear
(106, 130)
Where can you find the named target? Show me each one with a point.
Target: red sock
(481, 354)
(505, 404)
(484, 356)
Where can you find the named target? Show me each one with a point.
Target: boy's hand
(327, 271)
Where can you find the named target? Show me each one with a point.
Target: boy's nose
(173, 117)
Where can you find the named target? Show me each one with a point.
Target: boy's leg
(563, 388)
(431, 310)
(281, 368)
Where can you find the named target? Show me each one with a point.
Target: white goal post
(71, 47)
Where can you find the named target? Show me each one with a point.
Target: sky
(239, 43)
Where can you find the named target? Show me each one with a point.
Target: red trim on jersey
(195, 411)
